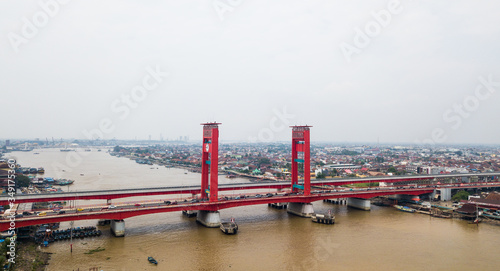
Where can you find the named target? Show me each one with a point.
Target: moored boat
(405, 208)
(229, 227)
(63, 182)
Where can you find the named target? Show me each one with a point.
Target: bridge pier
(208, 219)
(300, 209)
(362, 204)
(108, 202)
(445, 194)
(117, 228)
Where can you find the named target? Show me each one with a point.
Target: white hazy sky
(240, 65)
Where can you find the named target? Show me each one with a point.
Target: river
(381, 239)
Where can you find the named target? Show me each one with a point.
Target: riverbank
(30, 257)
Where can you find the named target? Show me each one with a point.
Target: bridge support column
(118, 228)
(445, 194)
(108, 201)
(300, 209)
(208, 219)
(362, 204)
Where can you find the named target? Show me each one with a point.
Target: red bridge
(299, 195)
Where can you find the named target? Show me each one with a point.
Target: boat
(405, 208)
(152, 260)
(229, 227)
(324, 219)
(41, 170)
(63, 182)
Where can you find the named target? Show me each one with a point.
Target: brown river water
(268, 239)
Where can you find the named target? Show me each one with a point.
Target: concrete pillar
(208, 219)
(301, 209)
(445, 194)
(108, 201)
(362, 204)
(118, 228)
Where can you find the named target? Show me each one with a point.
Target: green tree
(461, 195)
(320, 176)
(264, 161)
(22, 181)
(392, 169)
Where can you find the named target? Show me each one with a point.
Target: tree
(320, 176)
(392, 169)
(460, 195)
(264, 161)
(22, 181)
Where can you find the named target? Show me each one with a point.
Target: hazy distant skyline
(393, 71)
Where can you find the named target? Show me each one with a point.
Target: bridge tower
(301, 143)
(210, 161)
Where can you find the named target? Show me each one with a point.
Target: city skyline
(387, 71)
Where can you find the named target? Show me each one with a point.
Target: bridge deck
(151, 191)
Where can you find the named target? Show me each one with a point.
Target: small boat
(229, 227)
(405, 208)
(328, 219)
(476, 221)
(152, 260)
(63, 182)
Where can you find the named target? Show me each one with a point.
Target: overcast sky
(358, 71)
